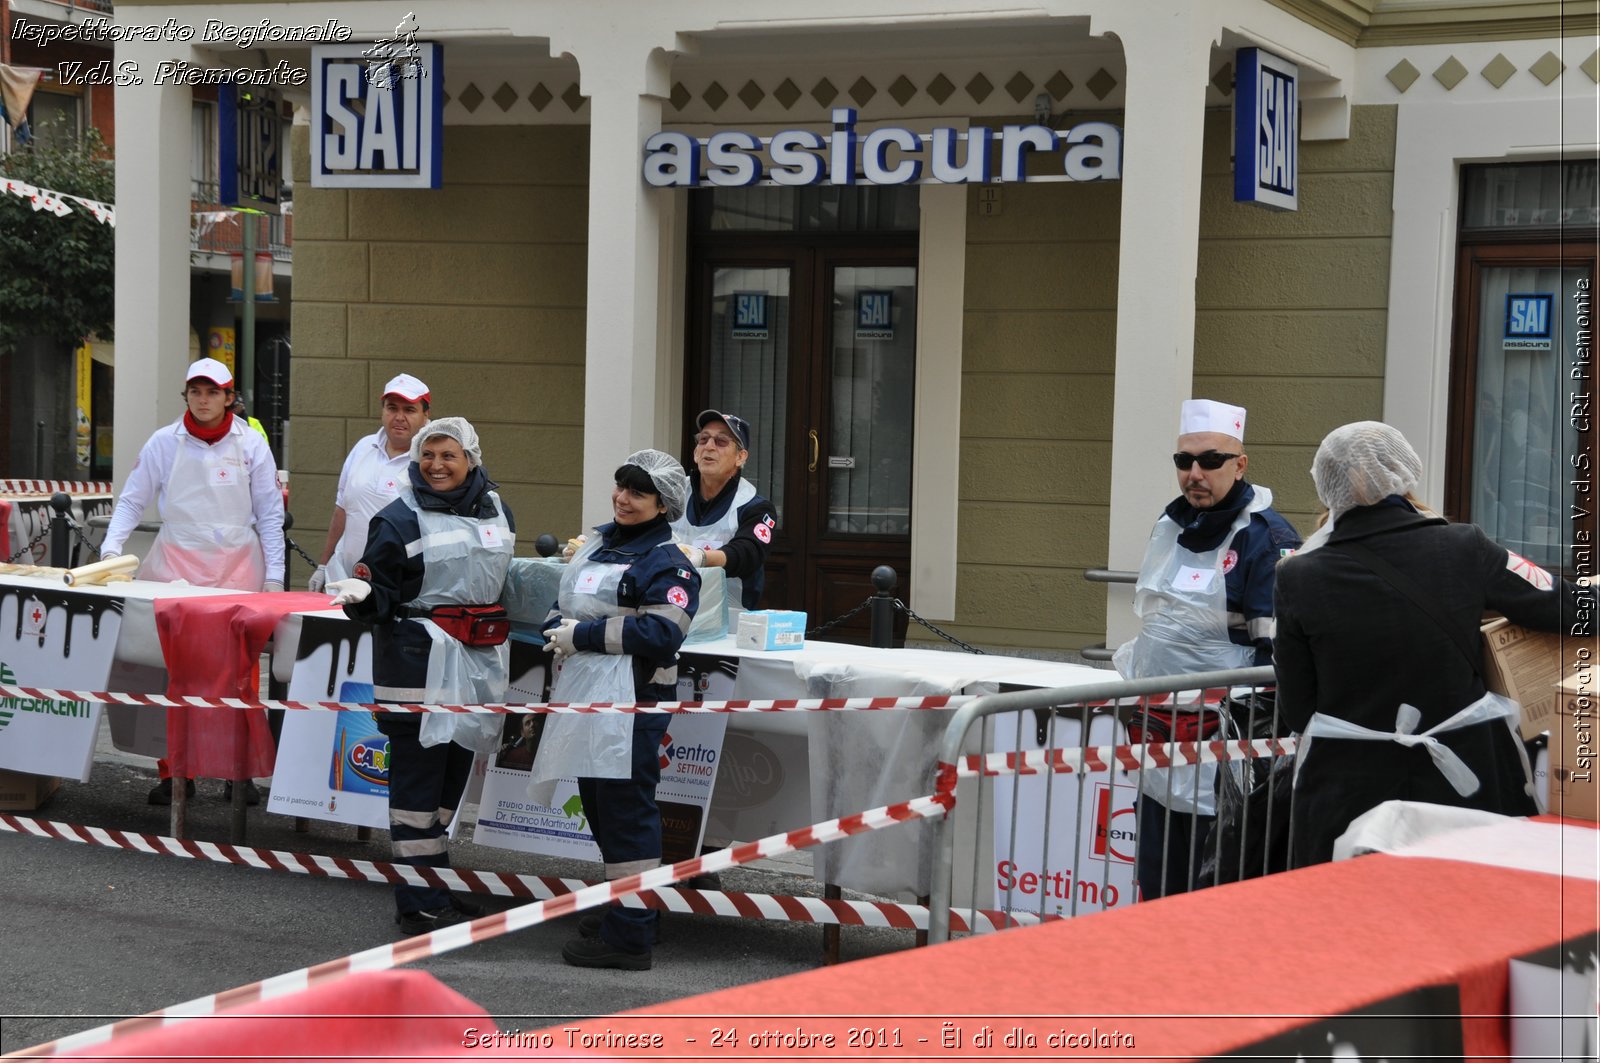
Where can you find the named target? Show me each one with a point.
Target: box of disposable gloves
(771, 629)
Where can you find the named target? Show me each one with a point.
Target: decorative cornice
(1377, 23)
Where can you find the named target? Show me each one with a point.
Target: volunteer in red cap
(216, 487)
(372, 477)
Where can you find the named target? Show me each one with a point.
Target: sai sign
(250, 147)
(1528, 321)
(386, 134)
(1266, 130)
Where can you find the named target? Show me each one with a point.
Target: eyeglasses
(720, 442)
(1210, 461)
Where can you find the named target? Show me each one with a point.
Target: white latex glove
(272, 586)
(573, 546)
(560, 639)
(696, 556)
(318, 580)
(346, 591)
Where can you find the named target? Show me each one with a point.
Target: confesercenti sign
(889, 155)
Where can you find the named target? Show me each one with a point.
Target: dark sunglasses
(1210, 461)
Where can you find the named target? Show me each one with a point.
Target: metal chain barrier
(291, 544)
(37, 539)
(836, 621)
(91, 550)
(906, 609)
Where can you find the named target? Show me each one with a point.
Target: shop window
(1522, 436)
(812, 209)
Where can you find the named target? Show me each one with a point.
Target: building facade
(975, 383)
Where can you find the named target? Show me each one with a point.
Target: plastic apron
(208, 536)
(1491, 706)
(588, 745)
(712, 536)
(465, 563)
(1182, 598)
(385, 482)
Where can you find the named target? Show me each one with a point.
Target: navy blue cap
(739, 426)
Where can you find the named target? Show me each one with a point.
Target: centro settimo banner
(57, 639)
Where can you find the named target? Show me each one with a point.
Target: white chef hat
(1209, 415)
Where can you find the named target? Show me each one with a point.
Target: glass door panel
(748, 366)
(1525, 434)
(866, 451)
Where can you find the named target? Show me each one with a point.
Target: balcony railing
(218, 230)
(99, 7)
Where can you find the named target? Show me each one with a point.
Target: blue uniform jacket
(663, 592)
(400, 646)
(747, 549)
(1249, 579)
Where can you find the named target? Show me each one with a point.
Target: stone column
(152, 277)
(1163, 135)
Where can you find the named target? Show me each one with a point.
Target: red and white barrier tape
(1122, 758)
(461, 935)
(192, 701)
(50, 487)
(767, 906)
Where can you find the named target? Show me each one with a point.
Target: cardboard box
(24, 793)
(771, 629)
(1525, 666)
(1574, 789)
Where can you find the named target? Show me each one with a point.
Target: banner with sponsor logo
(332, 765)
(689, 756)
(56, 638)
(1092, 827)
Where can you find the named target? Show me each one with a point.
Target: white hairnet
(672, 483)
(457, 428)
(1361, 464)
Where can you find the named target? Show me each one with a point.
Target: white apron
(465, 563)
(599, 745)
(208, 536)
(384, 483)
(712, 536)
(1182, 598)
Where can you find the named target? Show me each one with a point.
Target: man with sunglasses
(1205, 596)
(726, 524)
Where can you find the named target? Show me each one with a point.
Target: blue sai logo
(1266, 130)
(749, 315)
(874, 315)
(1528, 321)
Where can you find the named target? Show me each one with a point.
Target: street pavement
(89, 934)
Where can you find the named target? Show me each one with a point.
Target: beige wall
(1290, 322)
(1291, 309)
(477, 288)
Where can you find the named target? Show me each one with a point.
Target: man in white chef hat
(1205, 596)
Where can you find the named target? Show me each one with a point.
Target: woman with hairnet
(429, 584)
(1378, 648)
(625, 604)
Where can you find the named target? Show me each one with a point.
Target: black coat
(1350, 645)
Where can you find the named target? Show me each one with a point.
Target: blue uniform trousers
(425, 788)
(626, 824)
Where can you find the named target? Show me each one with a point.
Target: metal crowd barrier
(1053, 753)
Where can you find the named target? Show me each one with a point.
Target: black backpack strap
(1380, 567)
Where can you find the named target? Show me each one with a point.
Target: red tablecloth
(1189, 977)
(212, 646)
(408, 1015)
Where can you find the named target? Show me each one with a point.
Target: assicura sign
(889, 155)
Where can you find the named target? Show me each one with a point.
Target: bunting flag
(59, 203)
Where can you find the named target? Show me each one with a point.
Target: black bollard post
(882, 609)
(547, 545)
(59, 542)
